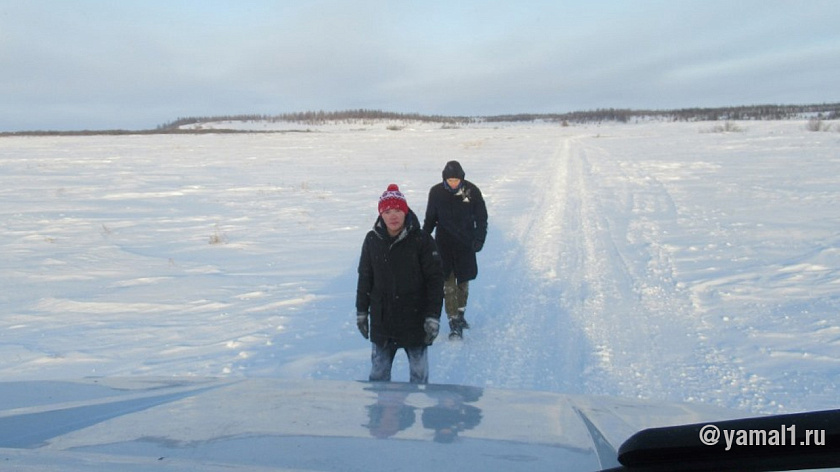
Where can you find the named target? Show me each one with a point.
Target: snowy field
(657, 260)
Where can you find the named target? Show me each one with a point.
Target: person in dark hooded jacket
(400, 289)
(458, 216)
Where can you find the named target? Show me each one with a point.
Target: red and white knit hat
(393, 198)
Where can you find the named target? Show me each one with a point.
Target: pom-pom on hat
(393, 198)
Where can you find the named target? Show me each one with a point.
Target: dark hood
(453, 170)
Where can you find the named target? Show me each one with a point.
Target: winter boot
(455, 329)
(464, 324)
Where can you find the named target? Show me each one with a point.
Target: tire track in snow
(626, 302)
(682, 363)
(580, 294)
(524, 338)
(648, 340)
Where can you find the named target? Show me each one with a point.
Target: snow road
(654, 260)
(590, 303)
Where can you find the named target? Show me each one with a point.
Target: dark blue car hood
(271, 424)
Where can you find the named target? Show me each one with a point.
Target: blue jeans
(382, 358)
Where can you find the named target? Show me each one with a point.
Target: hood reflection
(449, 415)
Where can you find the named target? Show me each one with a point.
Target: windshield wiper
(779, 442)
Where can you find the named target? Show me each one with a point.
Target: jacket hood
(453, 170)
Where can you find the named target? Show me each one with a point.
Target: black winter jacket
(400, 283)
(461, 221)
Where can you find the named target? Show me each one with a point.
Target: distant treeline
(322, 117)
(826, 111)
(829, 111)
(753, 112)
(122, 132)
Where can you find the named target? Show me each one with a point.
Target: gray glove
(431, 326)
(362, 323)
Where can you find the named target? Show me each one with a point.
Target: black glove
(477, 245)
(362, 323)
(431, 326)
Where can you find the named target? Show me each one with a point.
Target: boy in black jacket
(456, 208)
(400, 289)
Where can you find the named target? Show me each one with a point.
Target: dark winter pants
(382, 358)
(455, 296)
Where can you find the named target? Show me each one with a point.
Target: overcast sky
(105, 64)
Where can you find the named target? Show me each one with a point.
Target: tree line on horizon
(829, 111)
(825, 111)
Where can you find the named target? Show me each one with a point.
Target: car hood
(272, 424)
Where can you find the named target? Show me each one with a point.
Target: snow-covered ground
(655, 260)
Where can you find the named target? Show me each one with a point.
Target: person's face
(394, 220)
(453, 183)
